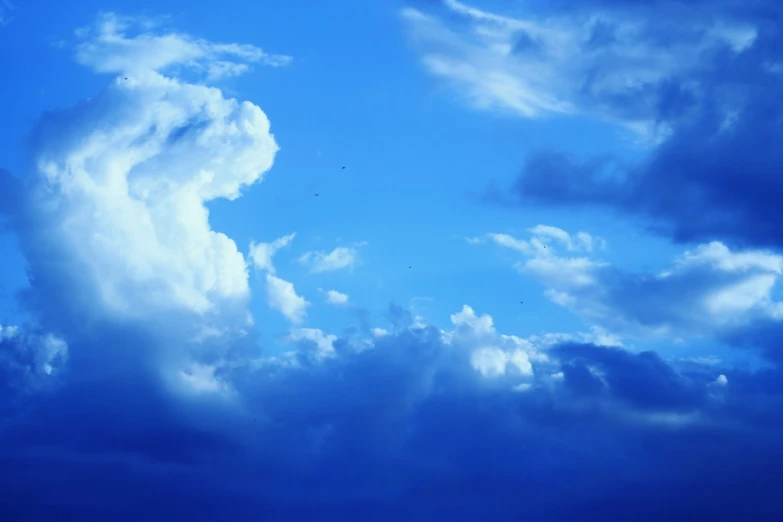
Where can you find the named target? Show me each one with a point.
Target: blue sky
(539, 279)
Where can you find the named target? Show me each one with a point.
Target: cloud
(123, 212)
(262, 253)
(360, 433)
(542, 239)
(112, 219)
(107, 47)
(709, 290)
(336, 298)
(29, 360)
(282, 296)
(581, 241)
(323, 343)
(338, 259)
(611, 61)
(713, 174)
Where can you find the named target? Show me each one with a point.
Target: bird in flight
(343, 168)
(316, 194)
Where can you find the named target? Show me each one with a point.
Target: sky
(394, 260)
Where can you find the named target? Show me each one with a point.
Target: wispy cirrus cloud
(601, 61)
(122, 44)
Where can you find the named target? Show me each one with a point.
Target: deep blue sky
(539, 279)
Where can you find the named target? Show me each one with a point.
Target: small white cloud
(467, 319)
(201, 378)
(511, 242)
(8, 332)
(338, 259)
(721, 380)
(702, 361)
(282, 296)
(262, 253)
(54, 351)
(379, 332)
(323, 342)
(555, 233)
(581, 241)
(336, 298)
(717, 255)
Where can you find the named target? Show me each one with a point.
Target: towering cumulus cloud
(113, 216)
(137, 391)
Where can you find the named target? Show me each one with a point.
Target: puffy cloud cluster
(403, 427)
(111, 213)
(115, 199)
(709, 290)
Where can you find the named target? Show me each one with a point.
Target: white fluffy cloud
(262, 253)
(121, 181)
(493, 354)
(338, 259)
(323, 342)
(112, 215)
(282, 296)
(336, 298)
(568, 63)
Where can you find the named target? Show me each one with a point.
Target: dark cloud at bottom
(405, 430)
